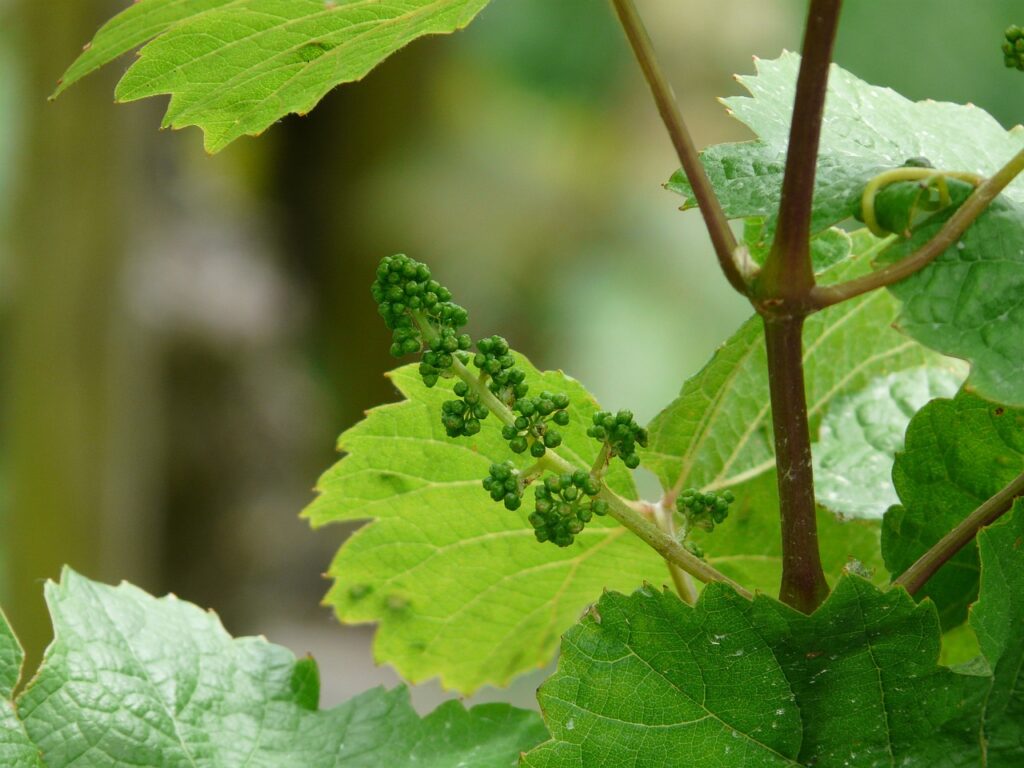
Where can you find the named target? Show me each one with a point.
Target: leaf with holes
(235, 67)
(458, 585)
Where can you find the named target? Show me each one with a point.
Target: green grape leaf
(828, 247)
(717, 433)
(998, 621)
(958, 453)
(867, 129)
(11, 658)
(458, 584)
(235, 67)
(133, 680)
(648, 681)
(864, 670)
(747, 547)
(969, 302)
(861, 433)
(16, 748)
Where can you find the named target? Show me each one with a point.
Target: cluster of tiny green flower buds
(564, 505)
(404, 286)
(622, 434)
(532, 428)
(440, 354)
(494, 357)
(694, 549)
(704, 510)
(462, 417)
(1013, 48)
(504, 484)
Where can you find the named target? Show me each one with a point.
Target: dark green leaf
(969, 302)
(998, 621)
(647, 681)
(958, 453)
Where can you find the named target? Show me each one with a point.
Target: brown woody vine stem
(788, 273)
(730, 255)
(953, 230)
(931, 561)
(782, 294)
(803, 579)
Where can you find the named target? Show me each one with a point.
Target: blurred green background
(184, 337)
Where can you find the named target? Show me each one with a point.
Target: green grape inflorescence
(564, 505)
(462, 417)
(533, 428)
(704, 510)
(620, 432)
(405, 292)
(505, 483)
(1013, 48)
(507, 382)
(423, 319)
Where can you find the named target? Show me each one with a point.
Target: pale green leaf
(458, 585)
(958, 454)
(234, 67)
(16, 749)
(647, 681)
(135, 681)
(861, 433)
(11, 658)
(866, 130)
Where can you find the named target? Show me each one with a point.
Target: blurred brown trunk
(64, 361)
(324, 162)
